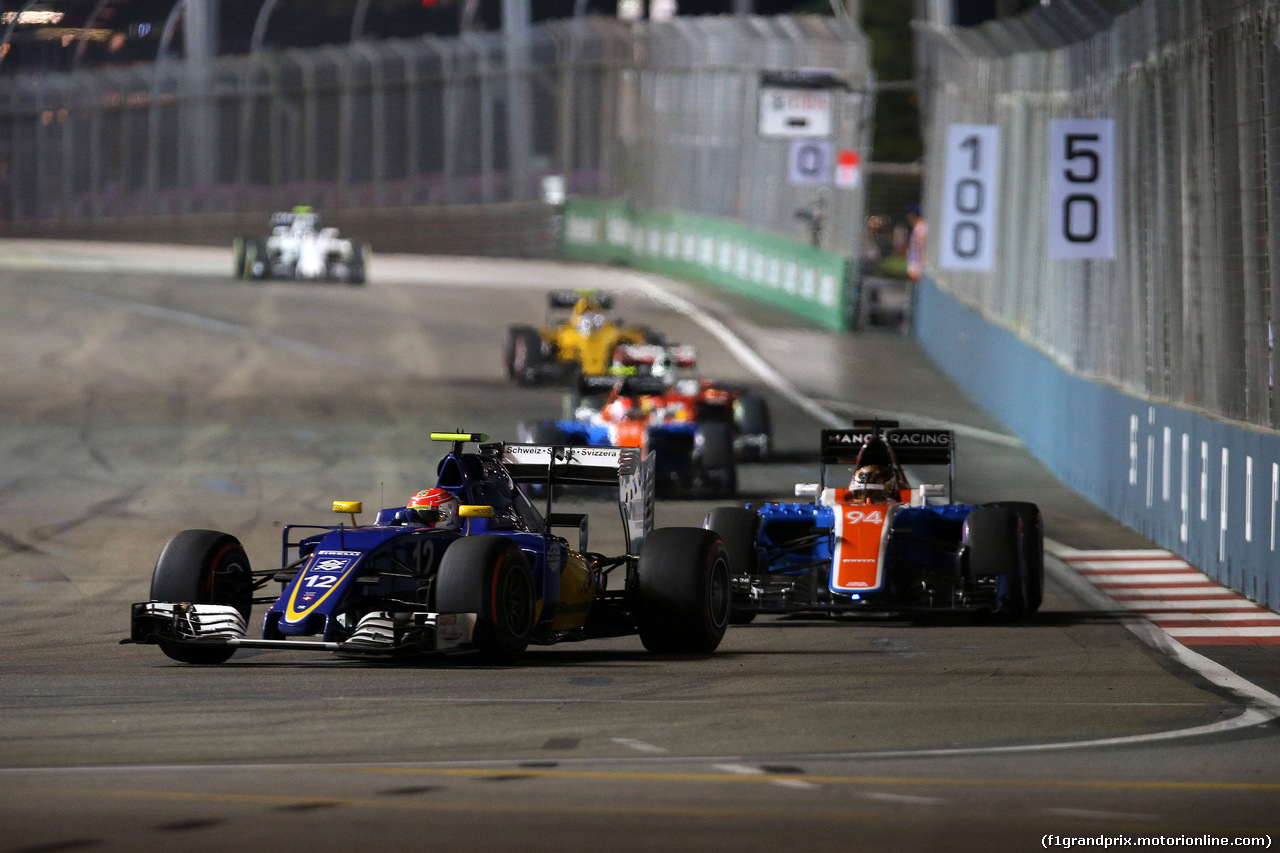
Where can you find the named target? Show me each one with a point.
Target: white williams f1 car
(300, 249)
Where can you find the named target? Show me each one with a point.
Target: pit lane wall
(805, 281)
(1204, 488)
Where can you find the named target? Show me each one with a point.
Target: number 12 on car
(967, 237)
(1082, 214)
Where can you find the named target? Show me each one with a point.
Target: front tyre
(203, 567)
(237, 255)
(993, 538)
(682, 594)
(1032, 548)
(524, 354)
(490, 576)
(358, 263)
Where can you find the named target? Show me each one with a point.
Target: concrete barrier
(1204, 488)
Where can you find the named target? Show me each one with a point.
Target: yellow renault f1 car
(581, 345)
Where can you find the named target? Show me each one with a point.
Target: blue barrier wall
(1205, 489)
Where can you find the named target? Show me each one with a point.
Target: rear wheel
(993, 536)
(751, 417)
(682, 595)
(489, 576)
(203, 567)
(653, 336)
(548, 433)
(737, 528)
(713, 459)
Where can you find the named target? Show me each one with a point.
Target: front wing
(377, 634)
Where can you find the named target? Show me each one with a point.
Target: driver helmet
(588, 322)
(435, 508)
(874, 484)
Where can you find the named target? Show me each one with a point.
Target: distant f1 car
(298, 248)
(879, 545)
(468, 565)
(581, 345)
(696, 429)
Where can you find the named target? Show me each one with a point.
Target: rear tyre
(682, 595)
(993, 536)
(548, 432)
(737, 528)
(256, 260)
(751, 417)
(653, 336)
(489, 576)
(203, 567)
(713, 459)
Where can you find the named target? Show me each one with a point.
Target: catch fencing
(1186, 310)
(1139, 362)
(660, 115)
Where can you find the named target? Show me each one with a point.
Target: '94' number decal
(857, 516)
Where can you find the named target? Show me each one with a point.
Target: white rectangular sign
(969, 197)
(795, 112)
(809, 163)
(1082, 214)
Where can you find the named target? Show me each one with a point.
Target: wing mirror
(352, 508)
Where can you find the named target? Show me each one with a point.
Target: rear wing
(634, 385)
(569, 298)
(911, 446)
(560, 465)
(646, 355)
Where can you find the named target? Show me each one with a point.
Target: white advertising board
(795, 112)
(967, 237)
(1082, 212)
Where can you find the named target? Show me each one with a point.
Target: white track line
(1254, 697)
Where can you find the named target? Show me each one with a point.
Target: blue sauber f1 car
(879, 545)
(493, 581)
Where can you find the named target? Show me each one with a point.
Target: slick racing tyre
(682, 594)
(357, 263)
(203, 567)
(524, 354)
(237, 255)
(1032, 548)
(737, 528)
(489, 576)
(993, 536)
(751, 417)
(713, 459)
(255, 263)
(653, 336)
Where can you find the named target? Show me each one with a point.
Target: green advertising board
(808, 282)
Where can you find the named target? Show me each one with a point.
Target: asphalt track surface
(143, 391)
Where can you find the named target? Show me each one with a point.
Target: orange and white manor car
(868, 541)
